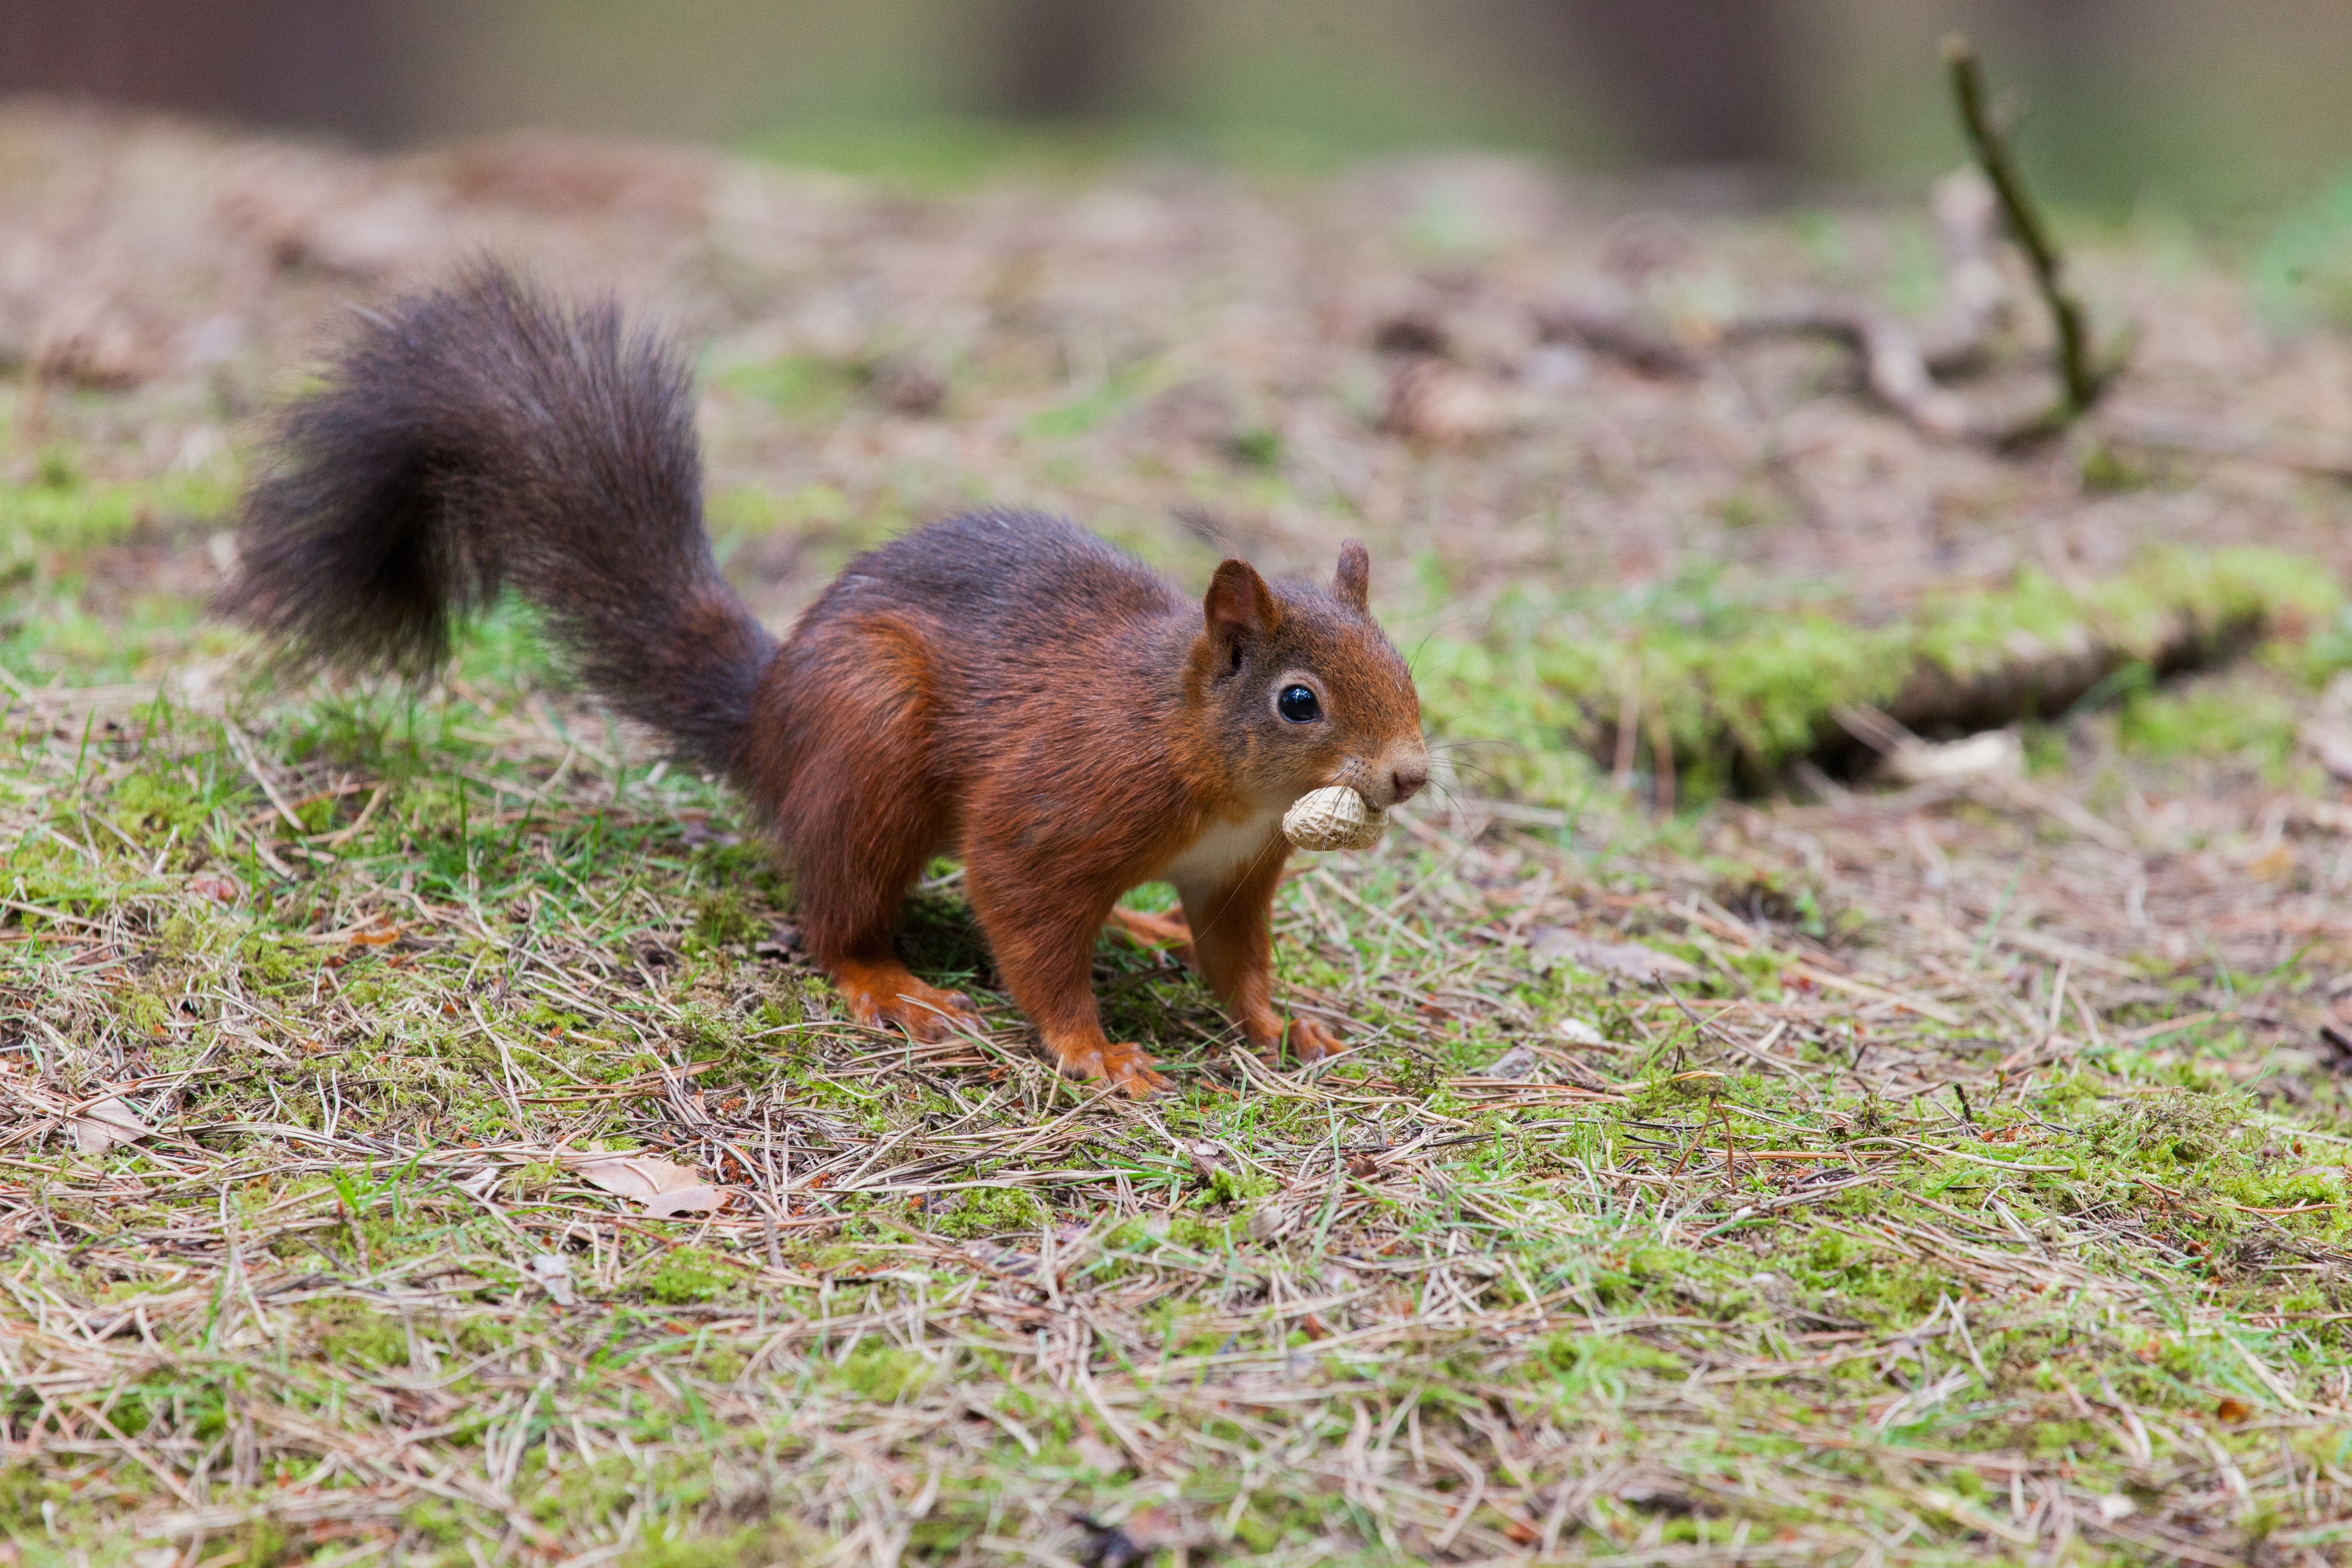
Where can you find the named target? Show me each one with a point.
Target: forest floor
(420, 1140)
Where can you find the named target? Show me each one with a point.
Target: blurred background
(2219, 111)
(1502, 286)
(1681, 382)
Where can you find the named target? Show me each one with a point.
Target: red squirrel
(1002, 686)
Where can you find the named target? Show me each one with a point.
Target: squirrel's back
(1002, 571)
(1030, 626)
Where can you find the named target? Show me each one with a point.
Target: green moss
(272, 962)
(262, 1543)
(1230, 1186)
(723, 919)
(2284, 1189)
(2324, 653)
(988, 1211)
(72, 516)
(2214, 722)
(2045, 749)
(2101, 467)
(24, 1487)
(882, 1373)
(775, 1544)
(1743, 688)
(1595, 1366)
(801, 386)
(56, 471)
(2174, 1128)
(350, 1333)
(686, 1274)
(151, 807)
(1068, 420)
(947, 1528)
(1258, 446)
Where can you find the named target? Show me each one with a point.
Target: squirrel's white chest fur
(1222, 851)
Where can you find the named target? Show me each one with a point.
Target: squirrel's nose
(1408, 776)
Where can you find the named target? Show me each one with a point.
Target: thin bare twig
(2081, 381)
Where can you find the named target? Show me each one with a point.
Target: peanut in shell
(1333, 819)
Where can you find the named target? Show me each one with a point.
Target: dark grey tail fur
(477, 437)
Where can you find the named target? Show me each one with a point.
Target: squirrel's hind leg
(849, 905)
(883, 990)
(851, 802)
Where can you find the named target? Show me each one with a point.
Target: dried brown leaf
(665, 1187)
(105, 1124)
(218, 889)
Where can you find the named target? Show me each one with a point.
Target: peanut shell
(1333, 819)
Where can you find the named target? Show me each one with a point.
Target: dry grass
(1939, 1231)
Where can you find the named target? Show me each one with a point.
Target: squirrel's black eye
(1298, 705)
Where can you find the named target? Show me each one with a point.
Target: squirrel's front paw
(1310, 1041)
(1125, 1065)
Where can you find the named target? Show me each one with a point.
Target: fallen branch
(2185, 433)
(1618, 330)
(1892, 363)
(1719, 734)
(2044, 683)
(1900, 361)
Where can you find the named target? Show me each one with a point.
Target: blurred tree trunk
(1066, 59)
(1694, 82)
(313, 65)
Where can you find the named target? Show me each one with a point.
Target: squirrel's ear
(1239, 606)
(1354, 581)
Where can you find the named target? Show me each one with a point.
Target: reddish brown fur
(1002, 686)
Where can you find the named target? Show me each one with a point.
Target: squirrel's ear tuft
(1354, 581)
(1239, 606)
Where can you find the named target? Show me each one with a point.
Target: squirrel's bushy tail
(477, 437)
